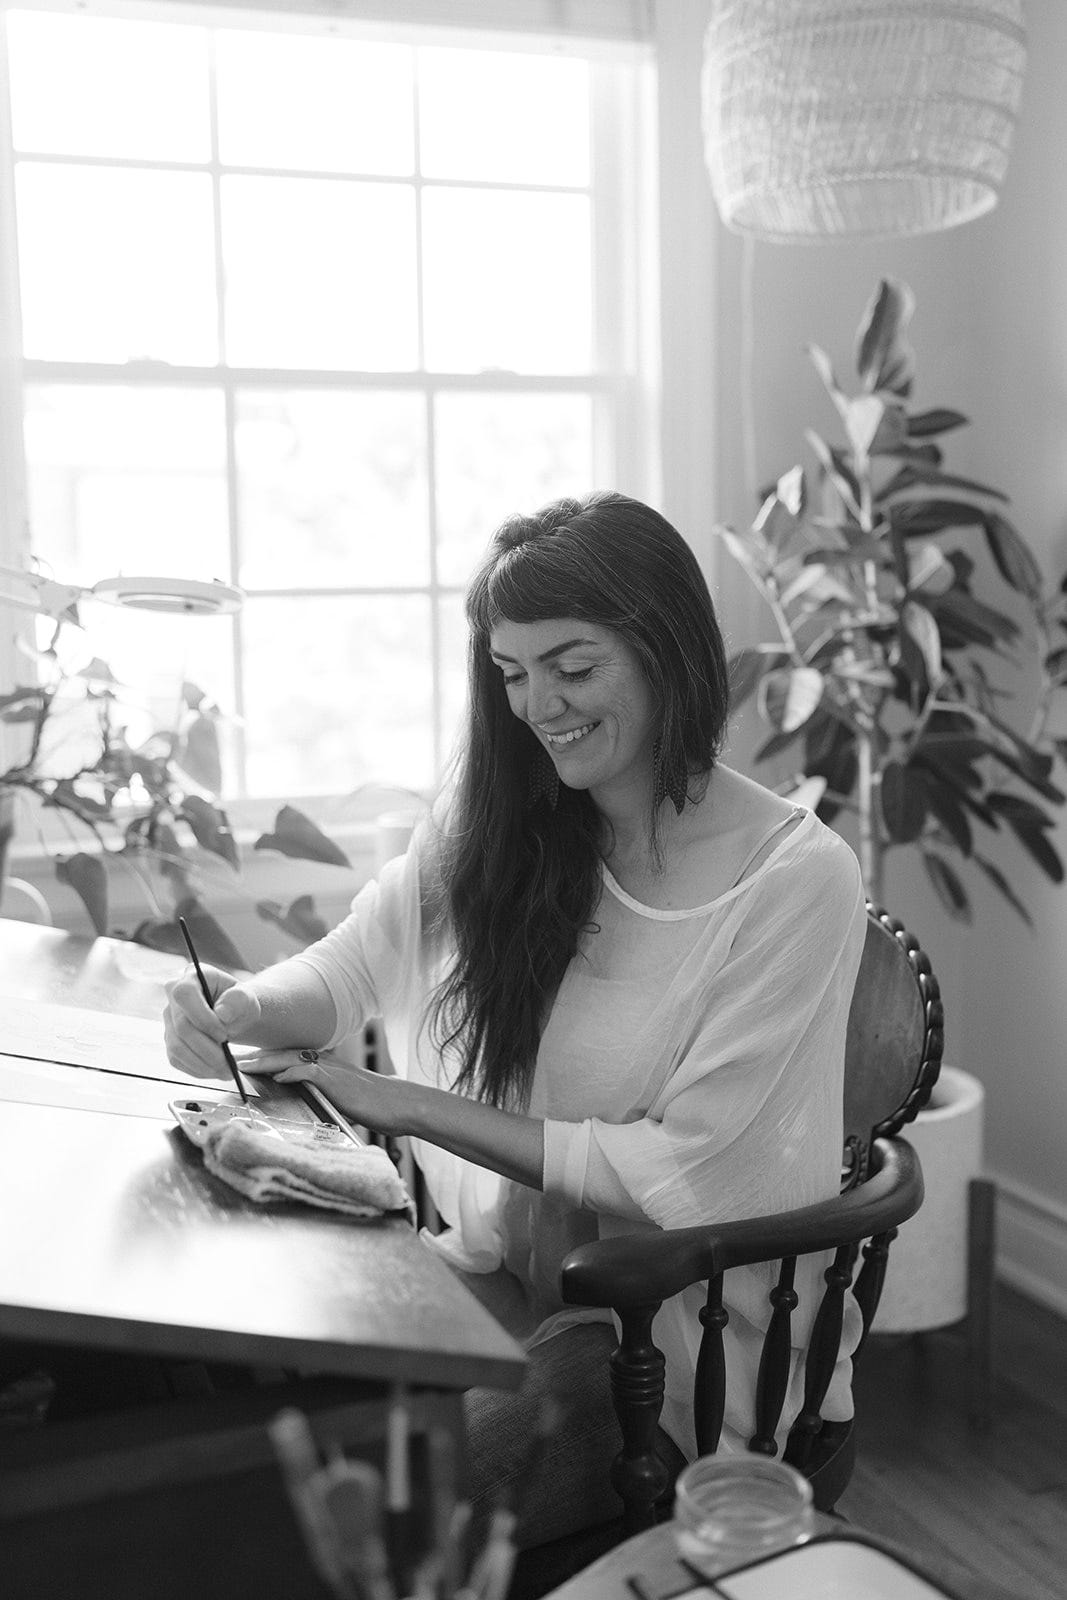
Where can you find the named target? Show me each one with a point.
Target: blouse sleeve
(750, 1119)
(367, 961)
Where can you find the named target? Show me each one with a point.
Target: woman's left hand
(372, 1099)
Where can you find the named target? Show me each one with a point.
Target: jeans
(570, 1488)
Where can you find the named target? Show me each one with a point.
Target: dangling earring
(544, 780)
(669, 779)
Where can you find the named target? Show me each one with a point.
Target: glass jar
(729, 1510)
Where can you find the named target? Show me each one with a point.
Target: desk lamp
(30, 591)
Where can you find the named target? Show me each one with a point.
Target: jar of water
(729, 1510)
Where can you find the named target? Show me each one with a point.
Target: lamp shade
(830, 119)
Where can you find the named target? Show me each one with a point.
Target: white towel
(358, 1180)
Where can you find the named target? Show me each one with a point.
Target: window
(310, 309)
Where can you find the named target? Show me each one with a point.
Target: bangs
(534, 582)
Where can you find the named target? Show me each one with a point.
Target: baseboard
(1032, 1243)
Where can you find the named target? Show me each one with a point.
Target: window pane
(319, 273)
(507, 281)
(516, 118)
(127, 480)
(502, 453)
(332, 489)
(347, 104)
(338, 694)
(97, 86)
(152, 654)
(116, 265)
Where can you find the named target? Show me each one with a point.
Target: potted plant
(883, 676)
(884, 680)
(150, 807)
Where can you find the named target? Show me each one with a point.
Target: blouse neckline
(658, 914)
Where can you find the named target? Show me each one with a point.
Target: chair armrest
(645, 1268)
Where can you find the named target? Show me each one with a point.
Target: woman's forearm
(504, 1141)
(295, 1008)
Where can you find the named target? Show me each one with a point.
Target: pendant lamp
(831, 119)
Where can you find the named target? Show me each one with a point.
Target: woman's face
(583, 692)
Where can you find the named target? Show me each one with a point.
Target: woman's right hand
(193, 1033)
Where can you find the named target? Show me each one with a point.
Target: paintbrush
(206, 992)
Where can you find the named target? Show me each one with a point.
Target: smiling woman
(614, 978)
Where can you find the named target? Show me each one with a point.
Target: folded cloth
(359, 1180)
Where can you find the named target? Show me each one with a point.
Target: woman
(614, 977)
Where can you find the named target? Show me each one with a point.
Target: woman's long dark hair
(520, 881)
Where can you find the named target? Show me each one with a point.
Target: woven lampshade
(859, 118)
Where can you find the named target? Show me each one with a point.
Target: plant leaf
(296, 835)
(1014, 559)
(903, 798)
(744, 669)
(946, 807)
(863, 418)
(789, 695)
(914, 474)
(199, 753)
(749, 550)
(87, 876)
(884, 359)
(212, 942)
(823, 366)
(923, 517)
(950, 890)
(210, 827)
(937, 420)
(997, 878)
(301, 921)
(920, 625)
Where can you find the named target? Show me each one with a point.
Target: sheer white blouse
(690, 1071)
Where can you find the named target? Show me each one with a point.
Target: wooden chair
(893, 1055)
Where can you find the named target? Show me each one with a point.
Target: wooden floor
(983, 1510)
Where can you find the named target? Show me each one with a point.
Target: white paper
(80, 1038)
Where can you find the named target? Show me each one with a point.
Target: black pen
(227, 1052)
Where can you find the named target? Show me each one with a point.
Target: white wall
(990, 332)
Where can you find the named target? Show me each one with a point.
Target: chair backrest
(893, 1056)
(894, 1041)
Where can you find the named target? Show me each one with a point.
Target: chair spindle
(868, 1290)
(822, 1354)
(638, 1475)
(772, 1381)
(709, 1388)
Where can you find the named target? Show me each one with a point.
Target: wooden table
(116, 1239)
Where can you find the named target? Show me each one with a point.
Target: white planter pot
(926, 1279)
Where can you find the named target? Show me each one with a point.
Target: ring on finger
(309, 1055)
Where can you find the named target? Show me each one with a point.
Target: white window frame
(658, 308)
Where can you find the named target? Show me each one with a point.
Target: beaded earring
(669, 779)
(544, 781)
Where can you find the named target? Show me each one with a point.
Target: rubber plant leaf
(999, 881)
(940, 419)
(789, 695)
(950, 890)
(744, 670)
(903, 802)
(87, 876)
(1013, 556)
(296, 835)
(913, 475)
(884, 359)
